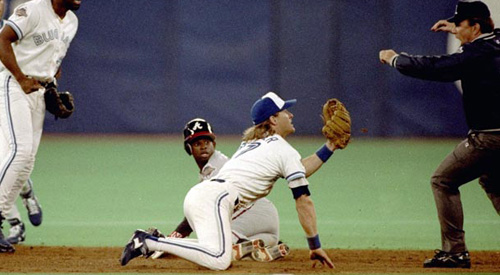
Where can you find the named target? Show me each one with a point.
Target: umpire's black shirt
(477, 65)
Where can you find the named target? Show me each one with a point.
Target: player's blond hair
(259, 131)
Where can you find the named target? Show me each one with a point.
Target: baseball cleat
(245, 248)
(444, 259)
(135, 247)
(5, 246)
(270, 253)
(34, 208)
(17, 233)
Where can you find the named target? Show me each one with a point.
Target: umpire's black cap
(469, 10)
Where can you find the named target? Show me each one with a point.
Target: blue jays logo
(245, 147)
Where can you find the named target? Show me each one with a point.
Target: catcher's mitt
(337, 123)
(60, 104)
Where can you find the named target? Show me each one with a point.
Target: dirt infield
(29, 259)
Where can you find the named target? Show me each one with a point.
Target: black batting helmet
(195, 129)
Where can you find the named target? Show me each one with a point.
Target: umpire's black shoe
(448, 260)
(135, 247)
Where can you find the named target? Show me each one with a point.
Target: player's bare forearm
(307, 215)
(312, 163)
(7, 57)
(7, 37)
(183, 229)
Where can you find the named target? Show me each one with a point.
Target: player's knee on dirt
(221, 263)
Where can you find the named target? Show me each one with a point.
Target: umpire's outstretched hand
(444, 26)
(321, 256)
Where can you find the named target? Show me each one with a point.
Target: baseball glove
(336, 123)
(60, 104)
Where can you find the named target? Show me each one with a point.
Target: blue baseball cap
(269, 105)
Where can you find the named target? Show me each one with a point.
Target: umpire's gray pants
(478, 156)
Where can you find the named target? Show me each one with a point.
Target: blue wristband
(314, 242)
(324, 153)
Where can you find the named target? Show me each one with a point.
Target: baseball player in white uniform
(33, 43)
(263, 157)
(255, 230)
(17, 230)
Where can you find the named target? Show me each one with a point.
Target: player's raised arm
(337, 131)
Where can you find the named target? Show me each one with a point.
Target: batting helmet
(195, 129)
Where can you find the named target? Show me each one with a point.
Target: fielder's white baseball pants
(208, 207)
(21, 123)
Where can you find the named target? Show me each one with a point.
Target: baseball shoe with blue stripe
(270, 253)
(34, 208)
(245, 248)
(135, 247)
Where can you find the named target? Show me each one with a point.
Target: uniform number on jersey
(247, 147)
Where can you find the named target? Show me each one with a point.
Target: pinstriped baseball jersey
(44, 38)
(257, 165)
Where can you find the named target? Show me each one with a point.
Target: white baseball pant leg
(21, 123)
(208, 207)
(14, 214)
(261, 221)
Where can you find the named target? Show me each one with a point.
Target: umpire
(477, 65)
